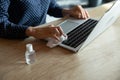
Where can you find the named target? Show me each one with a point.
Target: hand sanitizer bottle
(30, 54)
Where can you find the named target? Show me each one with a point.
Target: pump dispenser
(30, 54)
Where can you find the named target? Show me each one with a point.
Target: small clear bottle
(30, 54)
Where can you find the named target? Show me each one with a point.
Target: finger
(55, 31)
(81, 11)
(55, 37)
(87, 14)
(60, 30)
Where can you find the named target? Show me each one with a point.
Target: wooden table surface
(98, 61)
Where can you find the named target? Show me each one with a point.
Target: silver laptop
(81, 32)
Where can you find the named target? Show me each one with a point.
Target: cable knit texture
(17, 15)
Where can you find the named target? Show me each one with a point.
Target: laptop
(81, 32)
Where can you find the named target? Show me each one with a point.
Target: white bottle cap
(29, 47)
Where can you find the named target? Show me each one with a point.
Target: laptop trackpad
(68, 26)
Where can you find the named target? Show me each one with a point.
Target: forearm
(11, 30)
(54, 9)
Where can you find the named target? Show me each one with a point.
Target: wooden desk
(98, 61)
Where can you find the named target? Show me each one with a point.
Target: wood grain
(98, 61)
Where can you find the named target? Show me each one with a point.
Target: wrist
(66, 12)
(30, 31)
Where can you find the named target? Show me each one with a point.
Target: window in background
(71, 3)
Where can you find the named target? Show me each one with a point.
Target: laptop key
(80, 33)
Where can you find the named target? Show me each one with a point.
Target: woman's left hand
(76, 12)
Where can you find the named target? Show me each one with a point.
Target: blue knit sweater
(17, 15)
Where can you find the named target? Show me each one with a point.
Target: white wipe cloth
(52, 42)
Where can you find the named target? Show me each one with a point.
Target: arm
(54, 9)
(11, 30)
(76, 12)
(7, 28)
(49, 31)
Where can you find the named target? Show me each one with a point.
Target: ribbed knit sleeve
(7, 28)
(54, 9)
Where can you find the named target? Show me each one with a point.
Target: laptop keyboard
(80, 33)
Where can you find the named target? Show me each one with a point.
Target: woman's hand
(76, 12)
(49, 31)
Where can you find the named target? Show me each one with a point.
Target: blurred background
(84, 3)
(87, 4)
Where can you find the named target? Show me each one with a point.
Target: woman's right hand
(49, 31)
